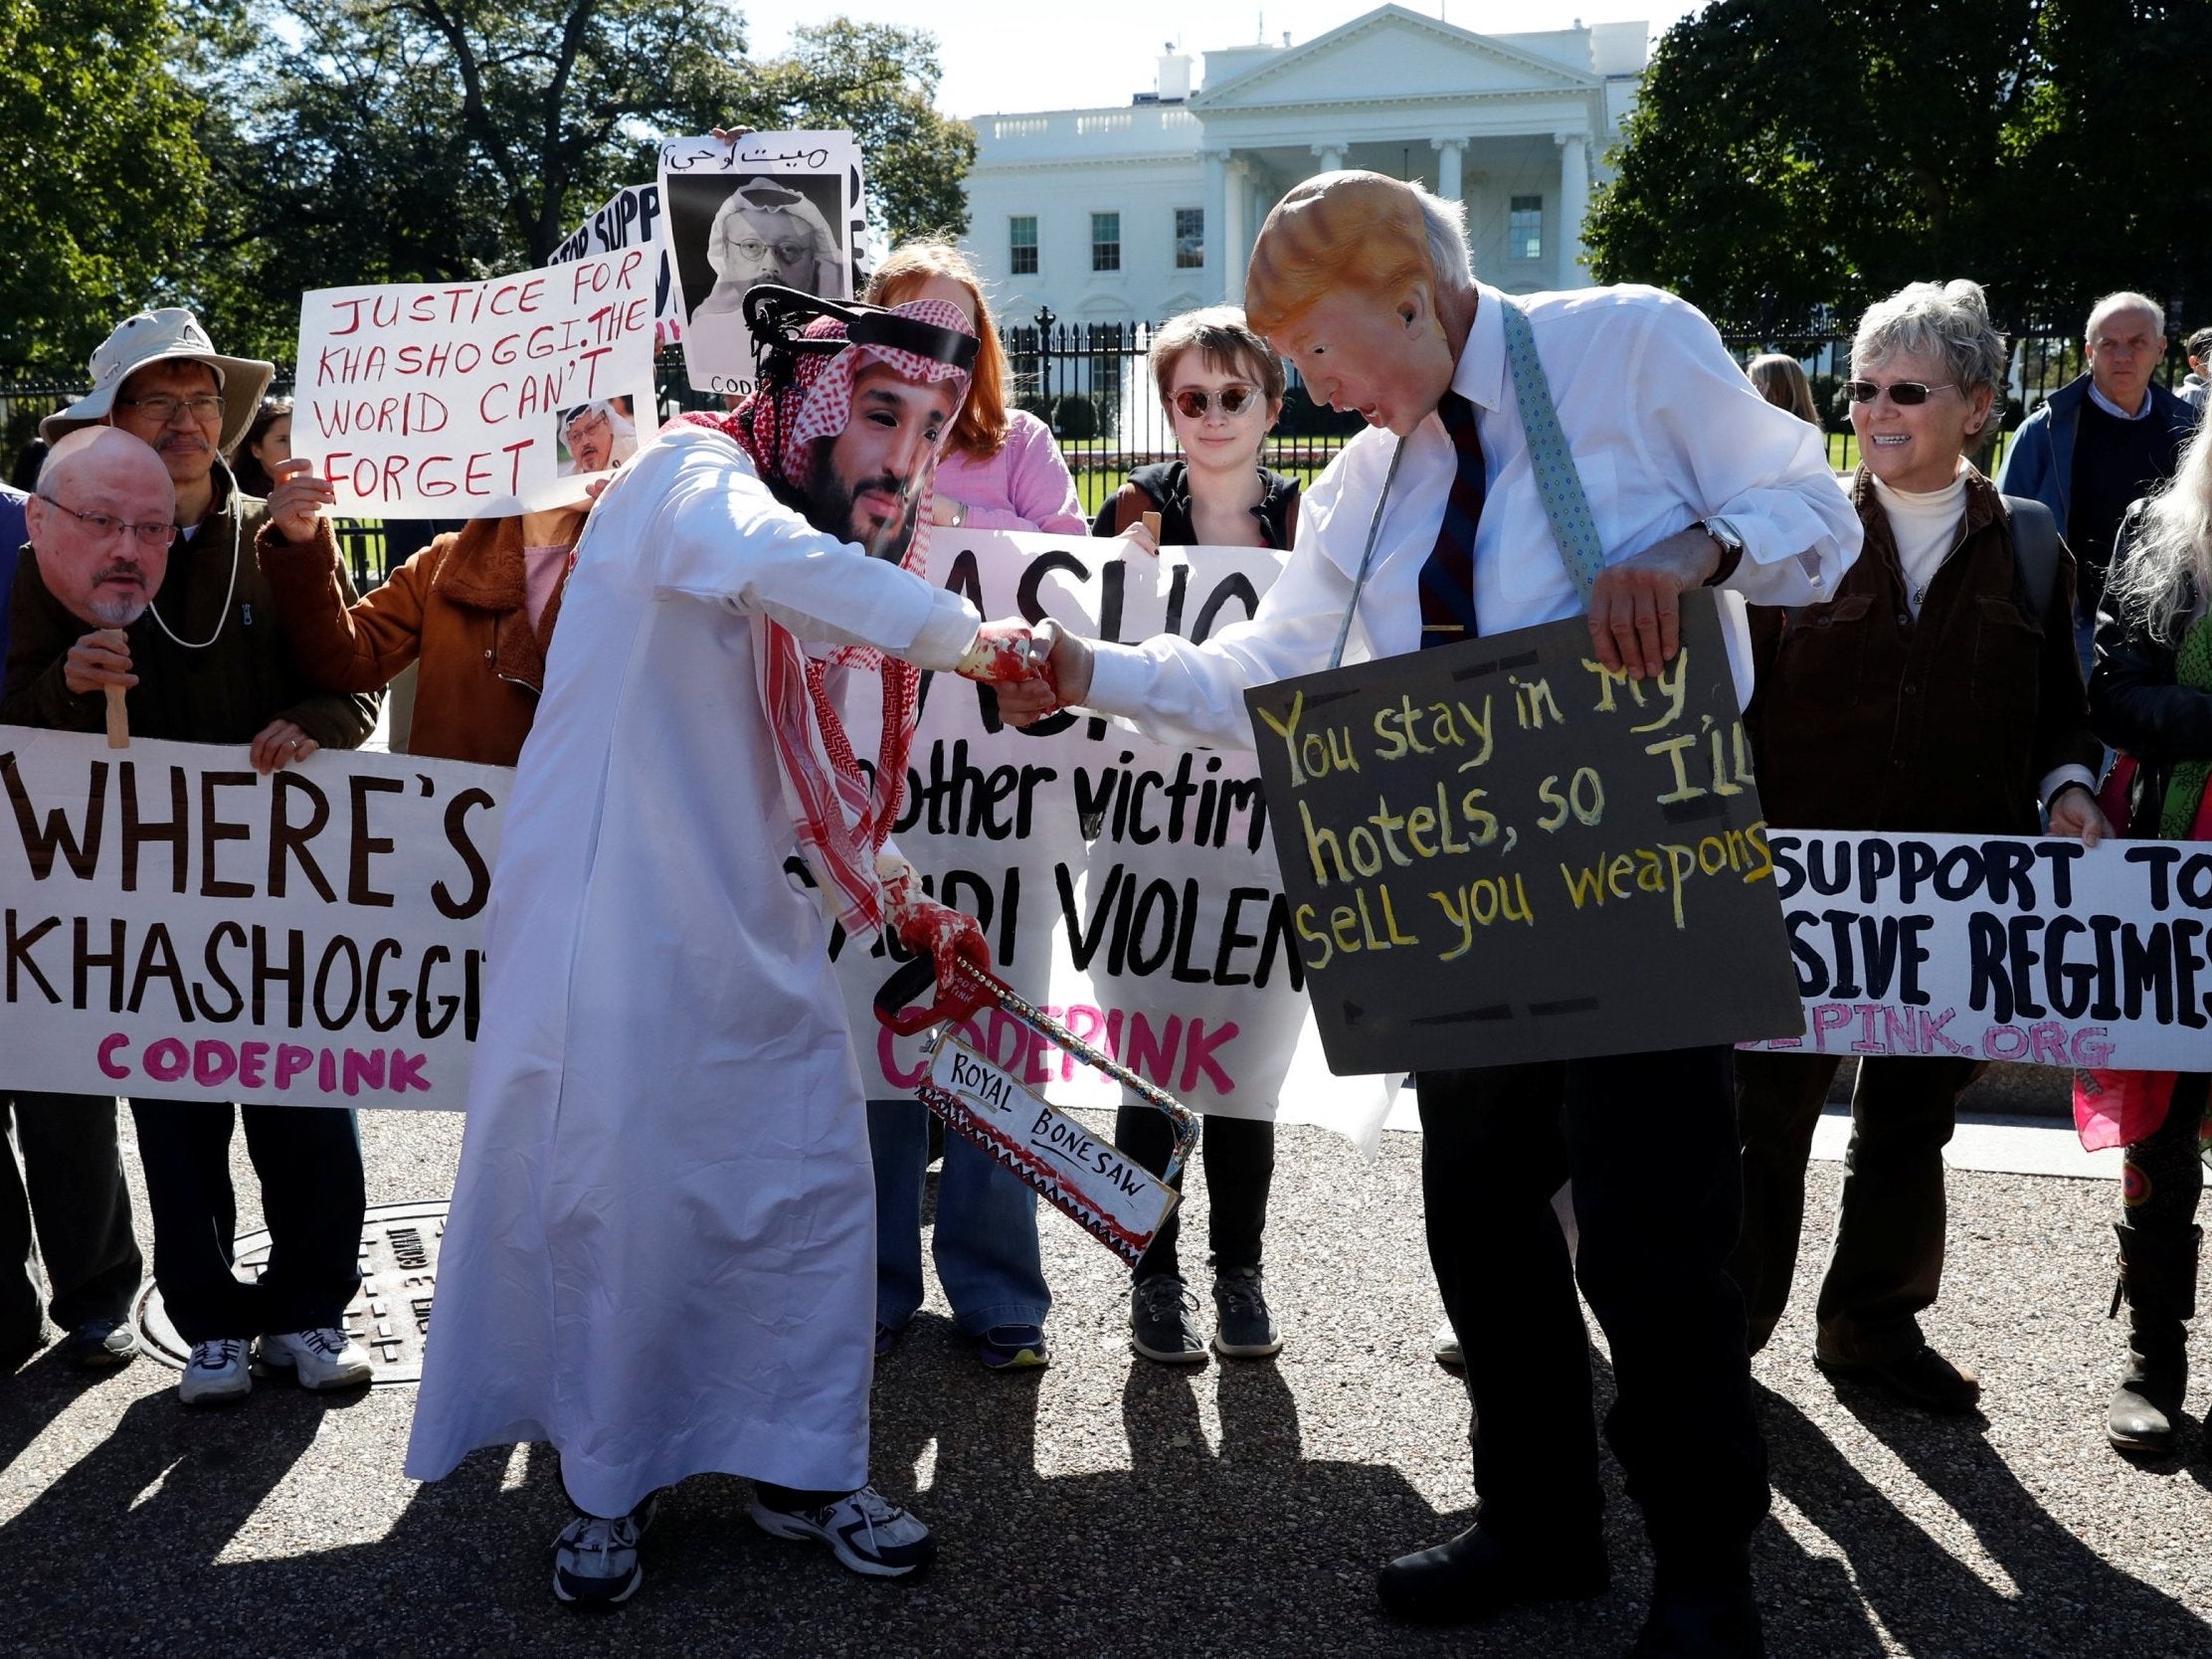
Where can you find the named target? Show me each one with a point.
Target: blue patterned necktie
(1448, 579)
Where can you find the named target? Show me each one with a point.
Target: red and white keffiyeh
(840, 815)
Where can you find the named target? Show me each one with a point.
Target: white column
(1448, 153)
(1574, 201)
(1330, 156)
(1236, 235)
(1216, 212)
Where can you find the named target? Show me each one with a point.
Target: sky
(1013, 54)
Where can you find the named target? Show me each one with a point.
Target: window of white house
(1105, 241)
(1189, 239)
(1022, 244)
(1524, 228)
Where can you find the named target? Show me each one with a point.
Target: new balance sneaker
(1013, 1348)
(1160, 1328)
(216, 1372)
(1243, 1329)
(863, 1528)
(321, 1359)
(595, 1560)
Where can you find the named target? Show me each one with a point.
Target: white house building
(1149, 209)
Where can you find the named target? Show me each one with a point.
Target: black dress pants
(1650, 1144)
(308, 1159)
(1239, 1155)
(70, 1193)
(1885, 1264)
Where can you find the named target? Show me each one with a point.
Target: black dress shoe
(1923, 1378)
(1475, 1577)
(1703, 1623)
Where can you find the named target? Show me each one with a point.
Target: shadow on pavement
(2066, 1600)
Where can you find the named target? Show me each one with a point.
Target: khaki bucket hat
(152, 337)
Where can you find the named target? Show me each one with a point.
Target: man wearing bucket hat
(661, 1251)
(212, 666)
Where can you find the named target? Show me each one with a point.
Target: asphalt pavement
(1112, 1507)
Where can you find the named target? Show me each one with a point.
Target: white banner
(2041, 951)
(632, 218)
(1129, 889)
(772, 207)
(175, 925)
(474, 400)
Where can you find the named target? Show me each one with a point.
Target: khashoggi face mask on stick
(101, 525)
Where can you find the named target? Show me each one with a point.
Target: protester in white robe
(661, 1253)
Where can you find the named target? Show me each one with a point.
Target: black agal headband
(778, 319)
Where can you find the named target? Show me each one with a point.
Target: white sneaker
(1448, 1352)
(863, 1528)
(321, 1359)
(595, 1560)
(216, 1372)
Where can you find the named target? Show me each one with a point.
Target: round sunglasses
(1903, 392)
(1234, 400)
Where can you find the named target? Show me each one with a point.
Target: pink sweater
(1024, 486)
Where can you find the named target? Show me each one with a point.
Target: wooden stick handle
(118, 720)
(1152, 523)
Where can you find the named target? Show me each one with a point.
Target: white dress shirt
(1665, 431)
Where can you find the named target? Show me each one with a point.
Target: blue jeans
(987, 1230)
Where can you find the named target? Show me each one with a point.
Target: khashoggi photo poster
(770, 207)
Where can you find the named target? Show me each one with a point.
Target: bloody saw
(1108, 1194)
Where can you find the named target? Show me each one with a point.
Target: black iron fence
(1089, 383)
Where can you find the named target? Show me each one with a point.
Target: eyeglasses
(785, 252)
(206, 406)
(103, 525)
(1233, 401)
(1903, 392)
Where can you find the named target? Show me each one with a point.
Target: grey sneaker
(100, 1345)
(1243, 1329)
(595, 1560)
(1160, 1328)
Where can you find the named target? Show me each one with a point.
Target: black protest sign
(1496, 851)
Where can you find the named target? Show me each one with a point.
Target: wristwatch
(1731, 548)
(960, 512)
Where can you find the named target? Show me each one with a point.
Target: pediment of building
(1390, 53)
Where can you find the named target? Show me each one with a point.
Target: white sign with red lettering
(476, 400)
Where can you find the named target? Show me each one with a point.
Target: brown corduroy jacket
(459, 607)
(1868, 719)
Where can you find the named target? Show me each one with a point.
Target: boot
(2159, 1281)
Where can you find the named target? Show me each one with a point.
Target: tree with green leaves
(1789, 154)
(102, 182)
(880, 81)
(435, 141)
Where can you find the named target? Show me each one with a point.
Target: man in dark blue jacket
(2103, 440)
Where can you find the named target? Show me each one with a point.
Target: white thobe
(661, 1251)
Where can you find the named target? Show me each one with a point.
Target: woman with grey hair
(2151, 699)
(1937, 692)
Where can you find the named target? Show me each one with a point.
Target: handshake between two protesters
(1023, 668)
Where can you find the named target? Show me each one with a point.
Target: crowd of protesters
(1920, 635)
